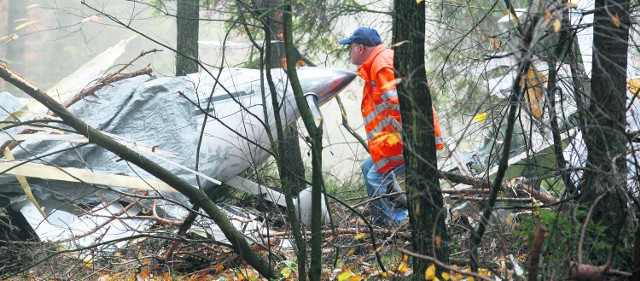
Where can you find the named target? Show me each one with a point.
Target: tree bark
(187, 18)
(288, 158)
(294, 170)
(425, 201)
(315, 134)
(604, 135)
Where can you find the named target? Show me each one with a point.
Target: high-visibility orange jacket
(381, 111)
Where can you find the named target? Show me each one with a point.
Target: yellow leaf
(458, 276)
(571, 4)
(219, 268)
(344, 276)
(402, 267)
(350, 252)
(616, 20)
(470, 278)
(506, 11)
(285, 272)
(445, 276)
(355, 278)
(547, 17)
(633, 85)
(480, 117)
(31, 22)
(556, 25)
(359, 236)
(405, 257)
(384, 274)
(430, 273)
(419, 1)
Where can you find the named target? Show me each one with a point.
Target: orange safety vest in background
(381, 111)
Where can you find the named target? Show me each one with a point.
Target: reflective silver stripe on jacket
(382, 106)
(384, 161)
(390, 94)
(384, 123)
(379, 109)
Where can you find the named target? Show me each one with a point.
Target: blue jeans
(382, 210)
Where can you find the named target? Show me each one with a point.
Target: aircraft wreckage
(216, 121)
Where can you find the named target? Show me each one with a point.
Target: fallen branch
(485, 184)
(503, 199)
(534, 255)
(106, 81)
(578, 271)
(182, 231)
(11, 144)
(349, 231)
(445, 266)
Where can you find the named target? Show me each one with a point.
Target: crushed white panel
(88, 229)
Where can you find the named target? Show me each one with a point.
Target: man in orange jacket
(382, 121)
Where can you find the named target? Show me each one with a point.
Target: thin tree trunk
(315, 133)
(188, 19)
(286, 143)
(426, 210)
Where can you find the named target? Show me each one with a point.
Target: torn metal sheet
(208, 128)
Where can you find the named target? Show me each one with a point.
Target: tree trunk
(294, 170)
(315, 134)
(187, 18)
(604, 135)
(424, 196)
(288, 158)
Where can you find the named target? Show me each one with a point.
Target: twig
(579, 271)
(351, 230)
(373, 240)
(391, 194)
(184, 227)
(445, 266)
(105, 81)
(583, 232)
(484, 184)
(504, 199)
(99, 226)
(346, 125)
(11, 144)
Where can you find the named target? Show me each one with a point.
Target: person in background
(382, 121)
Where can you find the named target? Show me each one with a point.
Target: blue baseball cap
(365, 36)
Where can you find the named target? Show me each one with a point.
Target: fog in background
(61, 36)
